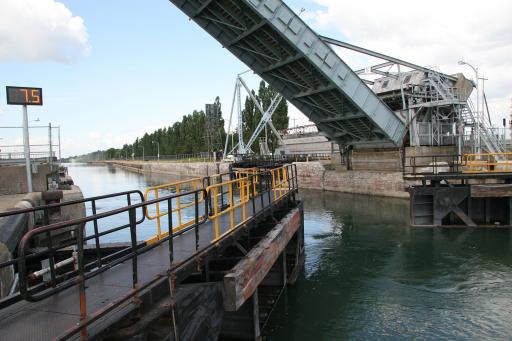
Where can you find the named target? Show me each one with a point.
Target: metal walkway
(82, 302)
(276, 44)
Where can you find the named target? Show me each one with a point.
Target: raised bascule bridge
(420, 116)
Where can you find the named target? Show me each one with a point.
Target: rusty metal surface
(53, 316)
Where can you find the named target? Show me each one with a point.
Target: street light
(158, 148)
(475, 69)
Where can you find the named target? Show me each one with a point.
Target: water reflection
(369, 275)
(95, 180)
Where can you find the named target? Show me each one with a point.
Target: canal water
(369, 276)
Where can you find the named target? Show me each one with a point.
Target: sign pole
(59, 145)
(50, 145)
(26, 146)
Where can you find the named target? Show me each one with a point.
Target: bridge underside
(276, 44)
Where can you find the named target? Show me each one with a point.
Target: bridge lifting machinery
(418, 106)
(241, 147)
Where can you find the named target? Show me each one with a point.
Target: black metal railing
(432, 164)
(76, 270)
(65, 278)
(45, 210)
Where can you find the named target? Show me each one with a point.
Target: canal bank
(320, 175)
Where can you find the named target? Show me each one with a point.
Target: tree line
(194, 134)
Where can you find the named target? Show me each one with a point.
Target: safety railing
(250, 190)
(280, 184)
(237, 196)
(40, 215)
(182, 203)
(487, 163)
(245, 198)
(79, 272)
(431, 164)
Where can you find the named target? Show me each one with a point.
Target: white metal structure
(266, 119)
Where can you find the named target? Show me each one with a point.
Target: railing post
(51, 259)
(196, 227)
(158, 223)
(242, 196)
(208, 184)
(253, 199)
(169, 229)
(96, 231)
(133, 237)
(231, 213)
(178, 191)
(81, 280)
(288, 180)
(215, 212)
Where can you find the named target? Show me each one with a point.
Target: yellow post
(215, 213)
(278, 182)
(242, 196)
(179, 206)
(285, 182)
(159, 231)
(231, 211)
(273, 183)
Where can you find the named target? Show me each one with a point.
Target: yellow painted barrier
(487, 163)
(240, 185)
(238, 192)
(176, 187)
(280, 184)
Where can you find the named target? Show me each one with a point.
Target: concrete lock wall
(376, 160)
(181, 169)
(14, 178)
(316, 144)
(311, 175)
(316, 175)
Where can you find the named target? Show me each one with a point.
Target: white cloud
(40, 30)
(434, 33)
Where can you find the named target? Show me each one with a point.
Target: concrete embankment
(181, 169)
(312, 175)
(318, 175)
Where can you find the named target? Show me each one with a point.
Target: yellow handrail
(280, 184)
(487, 163)
(241, 184)
(238, 191)
(178, 187)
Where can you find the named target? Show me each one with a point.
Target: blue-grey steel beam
(277, 45)
(379, 55)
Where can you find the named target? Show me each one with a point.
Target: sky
(113, 70)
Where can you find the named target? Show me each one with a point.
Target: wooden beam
(491, 191)
(242, 281)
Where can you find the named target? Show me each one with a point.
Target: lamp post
(158, 149)
(475, 69)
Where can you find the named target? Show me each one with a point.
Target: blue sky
(134, 66)
(148, 66)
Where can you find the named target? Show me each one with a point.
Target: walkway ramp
(276, 44)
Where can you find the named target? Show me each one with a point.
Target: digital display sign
(19, 95)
